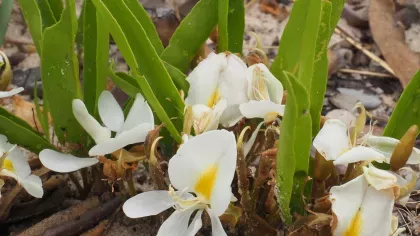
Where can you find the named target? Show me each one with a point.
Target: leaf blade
(222, 22)
(236, 25)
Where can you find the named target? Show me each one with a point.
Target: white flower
(363, 206)
(206, 118)
(133, 130)
(205, 166)
(5, 94)
(265, 93)
(219, 76)
(333, 143)
(14, 163)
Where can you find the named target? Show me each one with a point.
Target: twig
(359, 46)
(33, 117)
(369, 73)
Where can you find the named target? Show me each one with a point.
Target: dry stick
(85, 221)
(263, 174)
(368, 53)
(369, 73)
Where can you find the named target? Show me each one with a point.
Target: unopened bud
(404, 148)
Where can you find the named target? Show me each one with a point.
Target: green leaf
(147, 23)
(222, 22)
(191, 34)
(60, 70)
(236, 25)
(407, 111)
(6, 7)
(141, 56)
(33, 19)
(127, 84)
(179, 78)
(19, 132)
(336, 9)
(56, 8)
(127, 106)
(47, 15)
(95, 62)
(288, 56)
(43, 119)
(320, 73)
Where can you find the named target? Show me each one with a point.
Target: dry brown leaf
(389, 36)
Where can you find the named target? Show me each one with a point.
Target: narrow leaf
(407, 111)
(336, 9)
(222, 22)
(56, 8)
(43, 120)
(179, 78)
(95, 62)
(236, 25)
(191, 34)
(47, 15)
(33, 19)
(6, 7)
(60, 73)
(127, 84)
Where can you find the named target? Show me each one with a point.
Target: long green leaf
(147, 23)
(43, 119)
(141, 56)
(6, 7)
(222, 22)
(178, 77)
(33, 19)
(236, 25)
(95, 62)
(19, 132)
(56, 8)
(191, 34)
(291, 41)
(336, 9)
(407, 111)
(320, 71)
(60, 74)
(47, 15)
(127, 84)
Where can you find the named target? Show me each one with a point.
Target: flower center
(205, 183)
(259, 86)
(8, 165)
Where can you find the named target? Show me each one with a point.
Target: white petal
(204, 79)
(387, 145)
(248, 145)
(216, 225)
(4, 144)
(196, 223)
(213, 150)
(110, 111)
(205, 118)
(359, 153)
(135, 135)
(5, 94)
(20, 163)
(231, 116)
(274, 86)
(33, 185)
(332, 140)
(233, 84)
(139, 113)
(148, 204)
(89, 123)
(176, 224)
(262, 109)
(379, 179)
(63, 163)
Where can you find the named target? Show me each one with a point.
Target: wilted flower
(265, 93)
(133, 130)
(202, 172)
(14, 163)
(219, 77)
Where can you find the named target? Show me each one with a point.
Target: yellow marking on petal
(355, 225)
(259, 85)
(215, 97)
(8, 165)
(205, 183)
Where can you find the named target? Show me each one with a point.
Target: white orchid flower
(363, 206)
(387, 145)
(5, 94)
(204, 166)
(206, 118)
(333, 143)
(133, 130)
(265, 93)
(219, 77)
(14, 163)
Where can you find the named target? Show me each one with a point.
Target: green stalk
(5, 10)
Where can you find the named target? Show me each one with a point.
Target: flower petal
(139, 113)
(4, 144)
(216, 225)
(262, 109)
(233, 83)
(210, 161)
(20, 163)
(135, 135)
(387, 145)
(205, 118)
(359, 153)
(274, 87)
(89, 123)
(176, 224)
(332, 140)
(379, 179)
(231, 116)
(5, 94)
(248, 145)
(63, 163)
(204, 79)
(110, 111)
(33, 185)
(148, 204)
(196, 223)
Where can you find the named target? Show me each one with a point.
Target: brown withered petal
(403, 150)
(322, 168)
